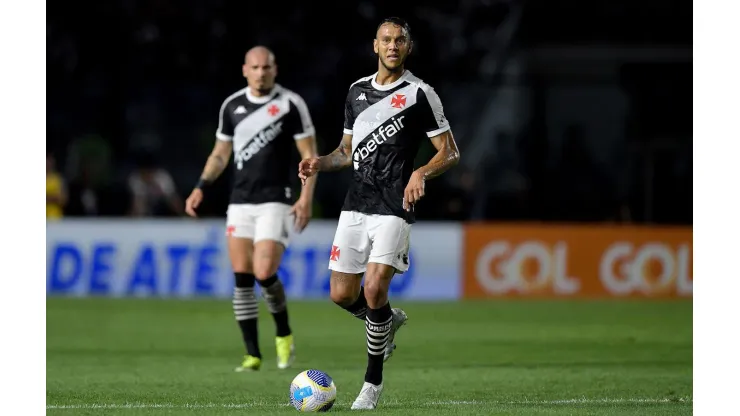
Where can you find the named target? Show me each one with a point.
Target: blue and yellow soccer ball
(312, 391)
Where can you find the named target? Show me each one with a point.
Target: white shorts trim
(369, 238)
(257, 222)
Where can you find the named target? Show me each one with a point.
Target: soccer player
(260, 123)
(387, 115)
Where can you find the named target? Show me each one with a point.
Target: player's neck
(386, 76)
(254, 92)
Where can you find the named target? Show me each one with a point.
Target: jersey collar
(406, 74)
(265, 98)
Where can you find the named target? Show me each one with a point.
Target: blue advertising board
(188, 258)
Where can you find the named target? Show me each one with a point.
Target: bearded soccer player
(387, 115)
(260, 124)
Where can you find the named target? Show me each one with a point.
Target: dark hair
(398, 22)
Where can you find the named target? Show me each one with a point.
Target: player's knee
(242, 266)
(265, 268)
(240, 255)
(344, 288)
(342, 296)
(376, 291)
(264, 273)
(266, 260)
(241, 263)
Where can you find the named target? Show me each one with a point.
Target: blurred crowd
(134, 93)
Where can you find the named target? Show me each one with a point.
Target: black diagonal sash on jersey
(258, 129)
(381, 122)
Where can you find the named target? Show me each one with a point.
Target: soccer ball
(312, 391)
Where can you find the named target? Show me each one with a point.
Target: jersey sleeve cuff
(307, 133)
(437, 132)
(223, 137)
(347, 131)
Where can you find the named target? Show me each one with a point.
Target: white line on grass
(390, 403)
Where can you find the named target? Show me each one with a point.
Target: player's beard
(265, 89)
(395, 69)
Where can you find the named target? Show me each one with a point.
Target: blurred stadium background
(555, 260)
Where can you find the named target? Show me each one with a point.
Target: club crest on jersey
(379, 137)
(262, 139)
(398, 101)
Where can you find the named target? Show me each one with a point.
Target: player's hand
(191, 204)
(302, 212)
(307, 168)
(414, 190)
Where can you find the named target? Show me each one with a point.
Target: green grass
(157, 357)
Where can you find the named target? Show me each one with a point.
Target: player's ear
(411, 46)
(375, 46)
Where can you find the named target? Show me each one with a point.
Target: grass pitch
(166, 357)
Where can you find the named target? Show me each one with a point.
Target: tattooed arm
(447, 156)
(338, 159)
(215, 165)
(217, 161)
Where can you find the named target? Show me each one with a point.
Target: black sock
(245, 310)
(359, 307)
(274, 294)
(377, 327)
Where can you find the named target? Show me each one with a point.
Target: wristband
(202, 183)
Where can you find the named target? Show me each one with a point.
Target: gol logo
(527, 267)
(652, 268)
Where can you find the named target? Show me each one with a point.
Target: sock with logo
(274, 294)
(246, 311)
(377, 328)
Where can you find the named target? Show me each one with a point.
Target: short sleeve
(136, 186)
(304, 126)
(349, 117)
(225, 129)
(433, 118)
(165, 182)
